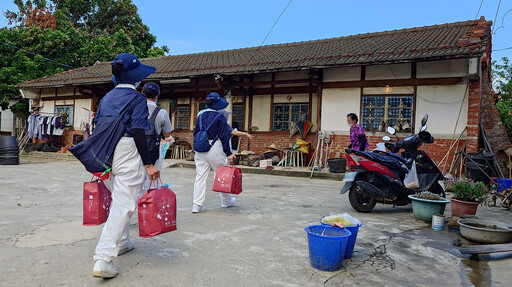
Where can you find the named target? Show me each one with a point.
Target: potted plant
(425, 204)
(467, 195)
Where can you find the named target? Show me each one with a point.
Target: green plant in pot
(425, 204)
(467, 195)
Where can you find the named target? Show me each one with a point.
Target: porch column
(229, 98)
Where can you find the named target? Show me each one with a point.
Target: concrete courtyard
(259, 242)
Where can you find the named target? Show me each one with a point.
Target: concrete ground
(259, 242)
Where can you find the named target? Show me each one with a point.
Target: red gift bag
(228, 179)
(97, 201)
(157, 212)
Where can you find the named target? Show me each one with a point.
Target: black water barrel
(337, 165)
(9, 153)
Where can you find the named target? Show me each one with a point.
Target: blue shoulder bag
(201, 142)
(97, 152)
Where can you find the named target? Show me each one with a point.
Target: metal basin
(485, 231)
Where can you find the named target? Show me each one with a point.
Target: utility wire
(478, 12)
(272, 28)
(34, 54)
(503, 49)
(47, 59)
(502, 21)
(496, 16)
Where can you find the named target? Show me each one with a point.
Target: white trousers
(127, 181)
(206, 161)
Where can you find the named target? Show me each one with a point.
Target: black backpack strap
(152, 119)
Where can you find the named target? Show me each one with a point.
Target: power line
(478, 12)
(47, 59)
(34, 54)
(272, 28)
(496, 16)
(503, 49)
(502, 21)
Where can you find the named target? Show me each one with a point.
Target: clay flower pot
(460, 207)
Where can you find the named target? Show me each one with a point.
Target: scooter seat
(389, 161)
(398, 157)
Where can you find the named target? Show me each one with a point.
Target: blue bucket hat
(215, 102)
(127, 69)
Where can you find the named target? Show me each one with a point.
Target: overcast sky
(192, 26)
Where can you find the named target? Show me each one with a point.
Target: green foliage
(21, 106)
(502, 76)
(466, 190)
(86, 31)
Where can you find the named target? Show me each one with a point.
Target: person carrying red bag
(212, 136)
(131, 159)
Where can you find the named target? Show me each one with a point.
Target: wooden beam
(395, 83)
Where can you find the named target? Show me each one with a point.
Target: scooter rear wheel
(359, 201)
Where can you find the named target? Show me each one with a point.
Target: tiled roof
(447, 41)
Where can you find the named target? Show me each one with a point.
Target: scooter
(378, 176)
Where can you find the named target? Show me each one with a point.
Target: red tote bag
(97, 199)
(228, 179)
(157, 212)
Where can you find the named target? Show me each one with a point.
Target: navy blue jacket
(220, 129)
(114, 102)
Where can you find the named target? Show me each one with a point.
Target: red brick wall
(261, 140)
(474, 105)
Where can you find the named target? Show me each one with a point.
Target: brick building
(385, 77)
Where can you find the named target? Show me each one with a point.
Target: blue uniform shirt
(117, 99)
(220, 130)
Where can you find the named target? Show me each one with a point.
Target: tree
(73, 32)
(502, 83)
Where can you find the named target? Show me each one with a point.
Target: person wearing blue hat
(212, 136)
(131, 159)
(159, 126)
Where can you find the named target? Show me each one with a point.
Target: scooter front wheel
(359, 201)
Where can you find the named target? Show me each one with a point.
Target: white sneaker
(228, 203)
(127, 247)
(198, 208)
(104, 269)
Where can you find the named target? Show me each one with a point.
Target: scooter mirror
(391, 130)
(424, 120)
(423, 128)
(386, 138)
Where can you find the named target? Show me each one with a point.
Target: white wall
(79, 114)
(406, 90)
(382, 72)
(336, 104)
(442, 104)
(342, 74)
(7, 118)
(260, 112)
(448, 68)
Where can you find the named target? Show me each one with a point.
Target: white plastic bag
(411, 179)
(344, 218)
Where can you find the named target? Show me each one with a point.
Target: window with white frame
(284, 114)
(379, 112)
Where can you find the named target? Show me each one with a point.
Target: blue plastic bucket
(351, 239)
(505, 184)
(327, 246)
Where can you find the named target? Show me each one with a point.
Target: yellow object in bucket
(339, 218)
